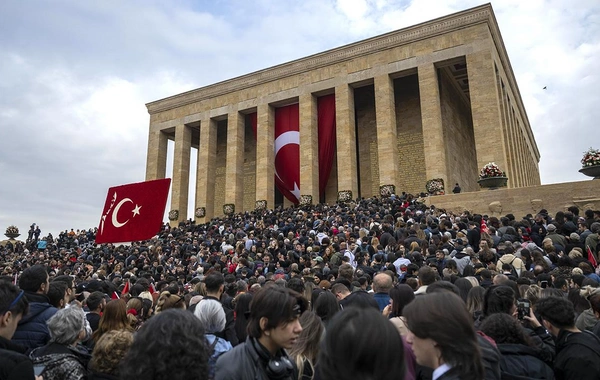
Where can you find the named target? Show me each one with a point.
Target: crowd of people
(379, 288)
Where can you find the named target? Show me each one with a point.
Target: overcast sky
(75, 77)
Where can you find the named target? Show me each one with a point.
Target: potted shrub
(590, 163)
(492, 177)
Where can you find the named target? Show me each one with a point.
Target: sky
(75, 77)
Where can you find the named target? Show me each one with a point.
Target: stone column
(509, 139)
(265, 155)
(234, 179)
(434, 142)
(205, 172)
(515, 178)
(181, 171)
(346, 140)
(487, 127)
(156, 161)
(309, 147)
(505, 129)
(387, 140)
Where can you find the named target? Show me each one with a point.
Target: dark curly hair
(504, 329)
(556, 310)
(170, 346)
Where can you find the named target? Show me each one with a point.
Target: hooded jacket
(577, 356)
(32, 331)
(522, 362)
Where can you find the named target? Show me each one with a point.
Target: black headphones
(276, 367)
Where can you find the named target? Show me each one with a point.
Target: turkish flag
(133, 212)
(287, 151)
(591, 257)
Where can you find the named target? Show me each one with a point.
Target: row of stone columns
(486, 114)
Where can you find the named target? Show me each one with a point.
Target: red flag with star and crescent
(287, 151)
(133, 212)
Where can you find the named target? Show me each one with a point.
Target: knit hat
(574, 236)
(551, 228)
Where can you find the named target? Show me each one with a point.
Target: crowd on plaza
(378, 288)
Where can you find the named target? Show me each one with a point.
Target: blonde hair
(169, 301)
(109, 350)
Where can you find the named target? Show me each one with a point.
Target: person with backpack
(517, 265)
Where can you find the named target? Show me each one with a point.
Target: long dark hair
(443, 317)
(401, 296)
(242, 312)
(361, 344)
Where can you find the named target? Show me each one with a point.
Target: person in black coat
(520, 358)
(14, 364)
(577, 352)
(273, 327)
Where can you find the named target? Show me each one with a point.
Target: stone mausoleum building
(435, 100)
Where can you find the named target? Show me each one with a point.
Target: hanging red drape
(326, 125)
(287, 151)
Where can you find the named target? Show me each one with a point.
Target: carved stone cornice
(442, 25)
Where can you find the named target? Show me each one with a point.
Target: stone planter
(12, 236)
(493, 182)
(591, 171)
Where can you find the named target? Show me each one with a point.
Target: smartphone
(523, 307)
(544, 284)
(38, 369)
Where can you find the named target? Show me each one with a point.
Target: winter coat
(14, 365)
(61, 362)
(522, 362)
(244, 362)
(586, 320)
(32, 331)
(577, 356)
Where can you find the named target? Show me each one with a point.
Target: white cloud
(76, 75)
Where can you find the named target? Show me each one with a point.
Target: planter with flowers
(228, 209)
(435, 186)
(306, 200)
(492, 177)
(12, 232)
(387, 190)
(590, 163)
(344, 196)
(173, 215)
(200, 212)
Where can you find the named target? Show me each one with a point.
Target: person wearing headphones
(273, 327)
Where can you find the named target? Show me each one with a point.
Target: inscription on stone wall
(412, 162)
(367, 140)
(374, 168)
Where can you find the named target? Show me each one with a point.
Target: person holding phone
(520, 358)
(13, 305)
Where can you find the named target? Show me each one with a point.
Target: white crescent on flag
(286, 138)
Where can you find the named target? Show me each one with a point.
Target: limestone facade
(435, 100)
